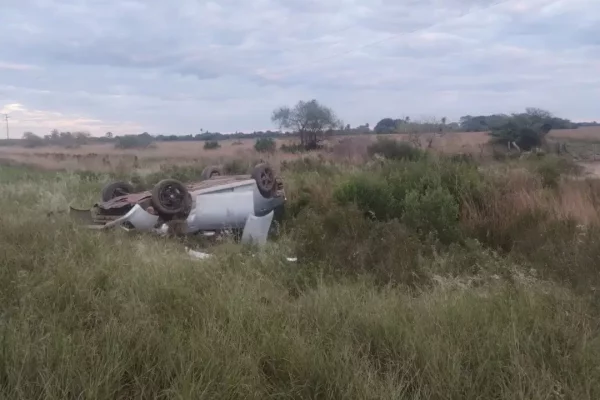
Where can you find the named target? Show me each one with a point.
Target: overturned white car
(213, 204)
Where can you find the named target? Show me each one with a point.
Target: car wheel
(170, 197)
(211, 171)
(116, 189)
(264, 176)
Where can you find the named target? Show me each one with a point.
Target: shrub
(133, 142)
(394, 150)
(550, 168)
(426, 195)
(31, 140)
(265, 145)
(211, 145)
(433, 211)
(371, 194)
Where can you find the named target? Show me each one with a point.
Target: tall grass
(461, 283)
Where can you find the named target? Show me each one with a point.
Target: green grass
(373, 309)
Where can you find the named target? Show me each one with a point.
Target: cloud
(16, 67)
(43, 121)
(175, 68)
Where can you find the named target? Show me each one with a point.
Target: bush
(265, 145)
(133, 142)
(550, 168)
(394, 150)
(433, 211)
(371, 194)
(425, 195)
(211, 145)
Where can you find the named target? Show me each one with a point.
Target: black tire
(264, 176)
(210, 171)
(116, 189)
(279, 213)
(170, 197)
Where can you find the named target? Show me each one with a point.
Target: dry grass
(104, 157)
(521, 193)
(589, 133)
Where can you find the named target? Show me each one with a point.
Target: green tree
(309, 118)
(81, 137)
(386, 125)
(30, 136)
(526, 130)
(32, 140)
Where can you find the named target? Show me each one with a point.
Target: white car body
(216, 207)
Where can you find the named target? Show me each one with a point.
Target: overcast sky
(129, 66)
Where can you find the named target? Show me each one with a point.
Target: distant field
(104, 157)
(591, 133)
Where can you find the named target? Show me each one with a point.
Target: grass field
(421, 276)
(105, 157)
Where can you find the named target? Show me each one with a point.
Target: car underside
(215, 202)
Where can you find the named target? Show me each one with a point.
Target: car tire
(211, 171)
(116, 189)
(264, 176)
(171, 198)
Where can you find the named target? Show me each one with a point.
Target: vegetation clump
(134, 142)
(265, 145)
(211, 145)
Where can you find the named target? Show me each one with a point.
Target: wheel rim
(266, 179)
(171, 197)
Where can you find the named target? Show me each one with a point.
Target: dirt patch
(591, 169)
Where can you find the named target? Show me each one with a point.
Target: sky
(132, 66)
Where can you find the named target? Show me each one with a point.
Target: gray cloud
(224, 65)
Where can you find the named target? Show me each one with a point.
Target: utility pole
(6, 119)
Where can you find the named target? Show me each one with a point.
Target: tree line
(311, 121)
